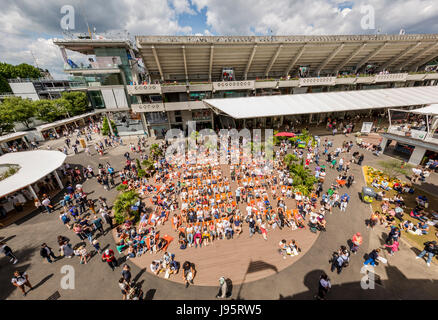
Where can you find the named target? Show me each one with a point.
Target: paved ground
(403, 278)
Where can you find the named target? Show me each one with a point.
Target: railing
(405, 131)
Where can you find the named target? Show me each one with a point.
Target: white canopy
(429, 110)
(12, 136)
(281, 105)
(34, 165)
(62, 122)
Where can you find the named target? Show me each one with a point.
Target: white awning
(34, 165)
(431, 110)
(282, 105)
(62, 122)
(12, 136)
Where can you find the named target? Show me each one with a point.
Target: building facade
(179, 72)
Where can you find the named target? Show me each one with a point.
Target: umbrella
(285, 134)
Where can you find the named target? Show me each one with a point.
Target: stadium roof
(282, 105)
(203, 57)
(87, 46)
(34, 165)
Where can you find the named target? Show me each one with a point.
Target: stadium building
(162, 82)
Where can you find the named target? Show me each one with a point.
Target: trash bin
(368, 195)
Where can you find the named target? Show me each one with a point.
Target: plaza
(402, 278)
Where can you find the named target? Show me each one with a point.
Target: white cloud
(317, 16)
(182, 6)
(25, 25)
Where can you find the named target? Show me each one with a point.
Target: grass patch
(416, 241)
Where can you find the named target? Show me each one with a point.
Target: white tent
(431, 110)
(271, 106)
(34, 165)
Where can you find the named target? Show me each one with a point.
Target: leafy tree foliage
(19, 110)
(78, 102)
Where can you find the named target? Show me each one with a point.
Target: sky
(27, 27)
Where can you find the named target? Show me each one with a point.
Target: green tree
(155, 151)
(20, 110)
(47, 110)
(148, 167)
(78, 102)
(8, 71)
(24, 70)
(6, 121)
(123, 204)
(62, 106)
(105, 127)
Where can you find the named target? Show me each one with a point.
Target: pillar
(25, 141)
(417, 155)
(58, 179)
(33, 192)
(109, 123)
(383, 143)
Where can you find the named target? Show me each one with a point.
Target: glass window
(156, 117)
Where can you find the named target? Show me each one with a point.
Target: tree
(6, 121)
(24, 70)
(8, 71)
(20, 110)
(63, 106)
(78, 102)
(155, 151)
(105, 127)
(123, 204)
(47, 110)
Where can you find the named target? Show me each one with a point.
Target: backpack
(65, 219)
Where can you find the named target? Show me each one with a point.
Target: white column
(25, 142)
(109, 123)
(417, 155)
(33, 192)
(58, 179)
(383, 143)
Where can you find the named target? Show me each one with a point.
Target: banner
(366, 127)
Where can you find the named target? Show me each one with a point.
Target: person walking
(108, 257)
(189, 273)
(47, 253)
(105, 215)
(7, 251)
(431, 249)
(356, 242)
(223, 288)
(47, 205)
(97, 222)
(126, 273)
(361, 157)
(20, 280)
(324, 286)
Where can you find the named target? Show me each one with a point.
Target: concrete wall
(417, 155)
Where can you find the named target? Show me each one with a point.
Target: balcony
(144, 89)
(391, 77)
(234, 85)
(323, 81)
(405, 131)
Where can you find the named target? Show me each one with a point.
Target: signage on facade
(235, 85)
(144, 89)
(148, 107)
(366, 127)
